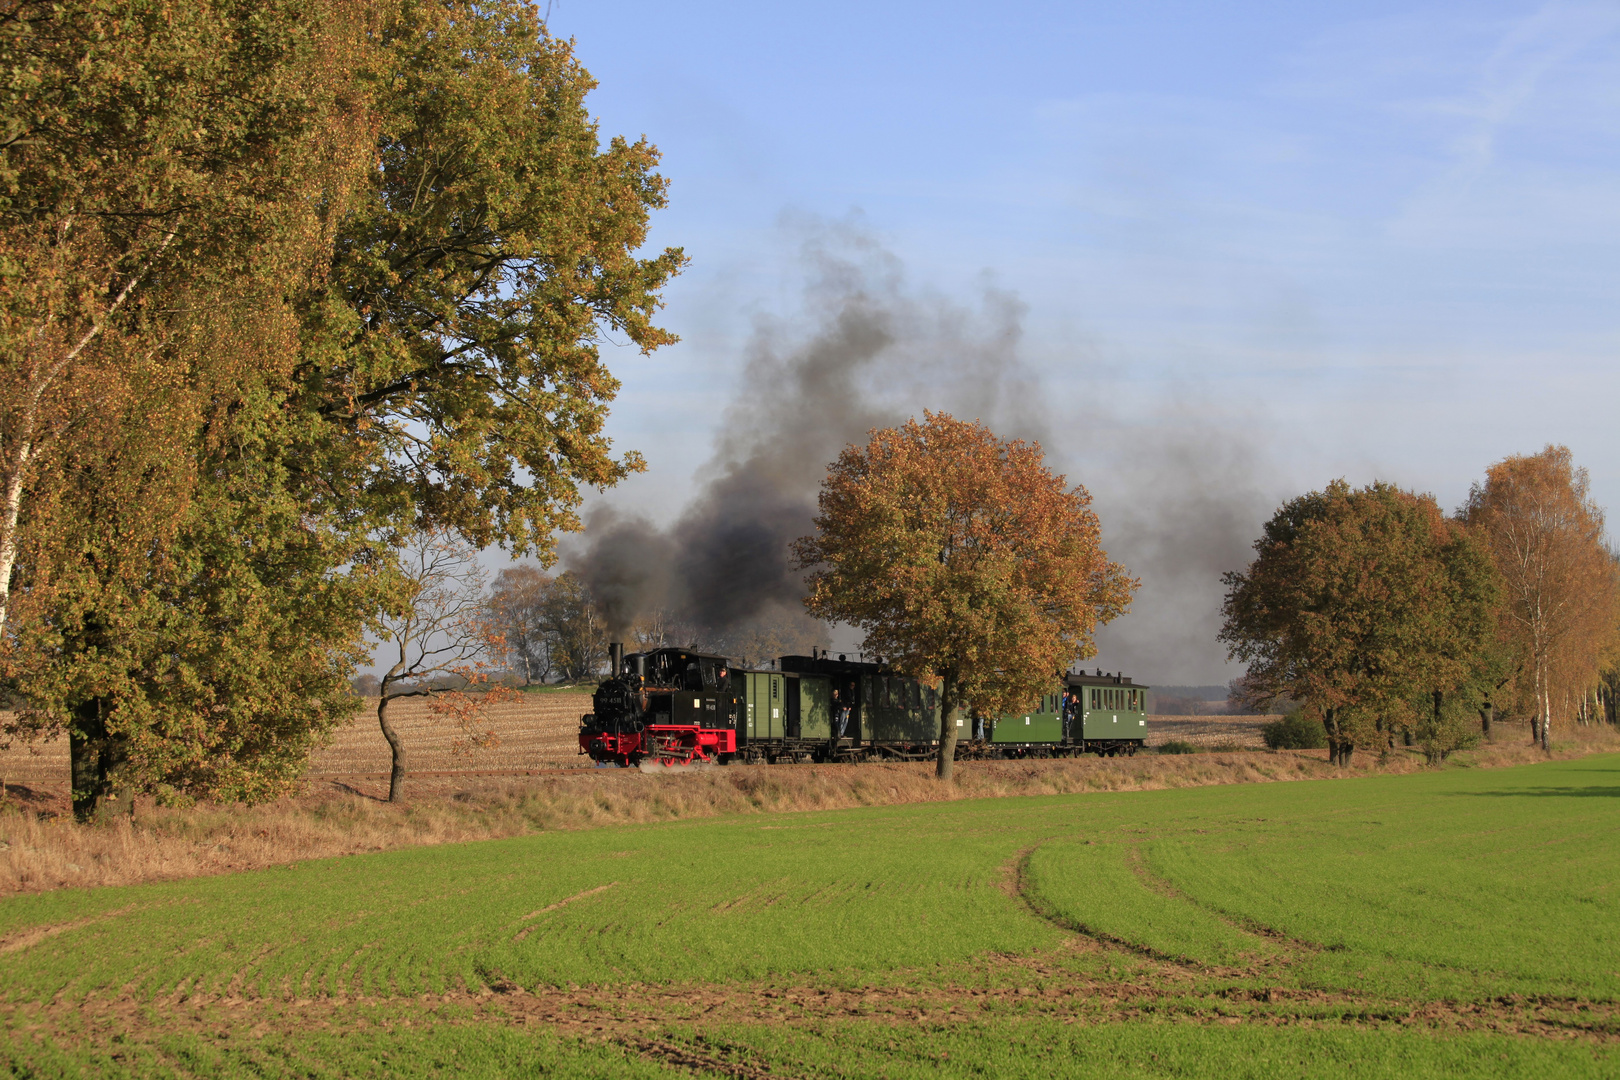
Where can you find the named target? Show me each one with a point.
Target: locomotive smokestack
(615, 657)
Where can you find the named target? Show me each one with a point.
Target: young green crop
(1360, 898)
(1038, 1049)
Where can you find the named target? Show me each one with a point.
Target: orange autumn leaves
(962, 556)
(1560, 601)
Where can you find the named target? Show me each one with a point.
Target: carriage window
(1094, 694)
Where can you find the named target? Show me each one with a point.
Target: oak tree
(1362, 605)
(963, 557)
(471, 291)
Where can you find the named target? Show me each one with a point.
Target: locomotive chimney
(615, 658)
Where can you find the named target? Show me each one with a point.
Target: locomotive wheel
(670, 751)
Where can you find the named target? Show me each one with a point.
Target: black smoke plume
(1181, 481)
(866, 353)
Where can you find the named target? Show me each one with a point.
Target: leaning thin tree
(961, 557)
(440, 635)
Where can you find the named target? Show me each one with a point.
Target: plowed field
(540, 731)
(1225, 732)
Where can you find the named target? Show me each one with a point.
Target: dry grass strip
(41, 849)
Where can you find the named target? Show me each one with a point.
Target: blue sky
(1247, 247)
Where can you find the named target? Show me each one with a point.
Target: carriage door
(790, 705)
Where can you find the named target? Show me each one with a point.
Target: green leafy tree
(961, 557)
(460, 360)
(1359, 604)
(283, 283)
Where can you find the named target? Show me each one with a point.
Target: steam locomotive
(676, 706)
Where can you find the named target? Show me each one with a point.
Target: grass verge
(40, 851)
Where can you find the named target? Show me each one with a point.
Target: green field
(1455, 923)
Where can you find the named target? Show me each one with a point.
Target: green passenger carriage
(1086, 714)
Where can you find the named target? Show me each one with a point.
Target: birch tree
(1545, 535)
(142, 149)
(282, 283)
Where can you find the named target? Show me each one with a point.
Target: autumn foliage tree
(166, 185)
(517, 609)
(1560, 599)
(1370, 608)
(282, 284)
(550, 625)
(150, 154)
(457, 358)
(963, 557)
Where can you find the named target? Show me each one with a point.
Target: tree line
(1387, 619)
(285, 284)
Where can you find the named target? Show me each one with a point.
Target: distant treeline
(1191, 701)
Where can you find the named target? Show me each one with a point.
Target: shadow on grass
(1546, 792)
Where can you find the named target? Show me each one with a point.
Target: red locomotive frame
(667, 744)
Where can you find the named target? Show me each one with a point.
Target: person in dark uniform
(841, 710)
